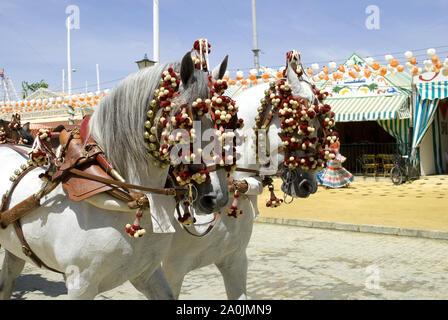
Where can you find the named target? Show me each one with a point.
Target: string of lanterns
(90, 99)
(351, 71)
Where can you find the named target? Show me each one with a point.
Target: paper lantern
(431, 52)
(352, 74)
(333, 66)
(383, 71)
(341, 68)
(427, 64)
(376, 66)
(325, 70)
(394, 63)
(400, 68)
(445, 72)
(434, 59)
(279, 75)
(369, 61)
(309, 71)
(408, 55)
(239, 75)
(413, 61)
(357, 67)
(388, 58)
(367, 73)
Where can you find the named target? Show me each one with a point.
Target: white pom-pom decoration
(369, 61)
(388, 58)
(445, 72)
(315, 67)
(332, 65)
(408, 55)
(431, 52)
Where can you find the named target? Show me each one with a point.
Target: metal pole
(69, 60)
(255, 49)
(97, 78)
(63, 80)
(156, 42)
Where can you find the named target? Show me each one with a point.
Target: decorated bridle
(162, 121)
(14, 125)
(304, 148)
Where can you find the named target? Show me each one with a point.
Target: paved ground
(302, 263)
(421, 204)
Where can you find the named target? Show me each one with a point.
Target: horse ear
(26, 127)
(219, 71)
(186, 68)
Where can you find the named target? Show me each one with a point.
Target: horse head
(292, 129)
(15, 132)
(145, 123)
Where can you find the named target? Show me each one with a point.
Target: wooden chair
(369, 164)
(388, 163)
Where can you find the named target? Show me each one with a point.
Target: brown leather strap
(14, 214)
(15, 148)
(26, 249)
(165, 191)
(7, 197)
(210, 227)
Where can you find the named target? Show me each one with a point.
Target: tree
(30, 88)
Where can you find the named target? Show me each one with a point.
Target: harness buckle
(26, 251)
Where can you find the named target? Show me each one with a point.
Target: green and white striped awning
(370, 108)
(433, 90)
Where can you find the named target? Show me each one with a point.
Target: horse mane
(118, 123)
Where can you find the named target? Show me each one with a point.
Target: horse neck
(250, 101)
(144, 173)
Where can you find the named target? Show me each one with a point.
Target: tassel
(135, 230)
(186, 219)
(233, 211)
(273, 202)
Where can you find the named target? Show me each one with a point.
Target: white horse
(225, 246)
(87, 243)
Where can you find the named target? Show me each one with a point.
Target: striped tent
(384, 107)
(427, 97)
(397, 128)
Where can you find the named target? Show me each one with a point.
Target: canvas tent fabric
(370, 108)
(397, 128)
(430, 90)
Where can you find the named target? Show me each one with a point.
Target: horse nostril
(306, 186)
(208, 202)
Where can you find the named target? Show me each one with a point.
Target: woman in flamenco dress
(335, 175)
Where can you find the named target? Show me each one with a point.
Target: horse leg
(78, 287)
(11, 269)
(155, 286)
(175, 277)
(234, 272)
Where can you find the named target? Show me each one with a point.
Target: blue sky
(116, 33)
